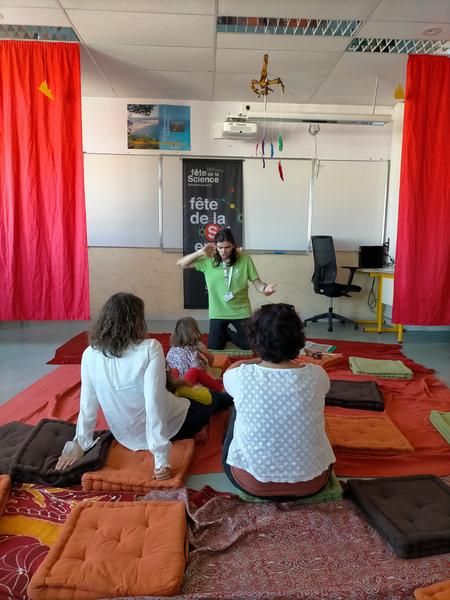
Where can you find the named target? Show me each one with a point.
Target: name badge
(228, 296)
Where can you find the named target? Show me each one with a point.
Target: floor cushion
(12, 436)
(332, 491)
(363, 395)
(437, 591)
(441, 421)
(327, 359)
(221, 361)
(128, 471)
(391, 369)
(5, 488)
(36, 458)
(108, 549)
(366, 435)
(412, 513)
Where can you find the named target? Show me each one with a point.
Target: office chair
(324, 279)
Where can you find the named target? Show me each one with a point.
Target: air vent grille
(38, 32)
(287, 26)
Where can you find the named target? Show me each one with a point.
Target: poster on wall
(212, 200)
(159, 127)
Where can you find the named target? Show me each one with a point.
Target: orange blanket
(128, 471)
(438, 591)
(110, 549)
(5, 488)
(368, 434)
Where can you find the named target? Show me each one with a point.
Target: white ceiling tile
(280, 63)
(34, 16)
(142, 93)
(282, 42)
(93, 84)
(348, 90)
(402, 30)
(423, 11)
(85, 60)
(158, 58)
(200, 7)
(319, 9)
(363, 64)
(159, 80)
(30, 3)
(143, 29)
(229, 86)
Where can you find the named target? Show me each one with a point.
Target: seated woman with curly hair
(276, 445)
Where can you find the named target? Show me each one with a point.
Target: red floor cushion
(108, 549)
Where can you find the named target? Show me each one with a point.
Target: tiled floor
(25, 347)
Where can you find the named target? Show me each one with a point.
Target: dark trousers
(199, 415)
(220, 333)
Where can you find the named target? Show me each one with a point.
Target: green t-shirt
(243, 271)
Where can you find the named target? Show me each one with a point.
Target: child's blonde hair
(186, 333)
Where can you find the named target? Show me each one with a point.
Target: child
(189, 355)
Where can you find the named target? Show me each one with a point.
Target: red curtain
(422, 266)
(43, 245)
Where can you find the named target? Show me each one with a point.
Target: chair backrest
(325, 269)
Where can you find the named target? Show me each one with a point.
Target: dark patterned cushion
(412, 513)
(363, 395)
(36, 459)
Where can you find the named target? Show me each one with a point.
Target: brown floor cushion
(108, 549)
(363, 395)
(37, 457)
(412, 513)
(12, 436)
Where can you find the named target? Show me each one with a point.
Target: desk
(380, 274)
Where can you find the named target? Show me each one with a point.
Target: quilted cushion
(12, 436)
(36, 459)
(363, 395)
(128, 471)
(328, 359)
(366, 435)
(5, 488)
(412, 513)
(108, 549)
(221, 361)
(391, 369)
(438, 591)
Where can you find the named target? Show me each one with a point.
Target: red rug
(408, 404)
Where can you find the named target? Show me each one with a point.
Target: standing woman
(227, 273)
(123, 372)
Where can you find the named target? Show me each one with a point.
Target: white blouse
(131, 391)
(279, 432)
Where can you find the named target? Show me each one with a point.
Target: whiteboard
(276, 211)
(122, 195)
(349, 202)
(172, 202)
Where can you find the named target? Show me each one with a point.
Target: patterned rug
(293, 552)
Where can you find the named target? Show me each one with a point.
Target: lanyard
(227, 272)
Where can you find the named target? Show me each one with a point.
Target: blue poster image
(159, 127)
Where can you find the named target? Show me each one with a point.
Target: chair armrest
(350, 275)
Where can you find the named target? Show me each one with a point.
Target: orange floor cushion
(438, 591)
(367, 435)
(5, 488)
(221, 361)
(128, 471)
(109, 549)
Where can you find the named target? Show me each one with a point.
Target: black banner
(212, 200)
